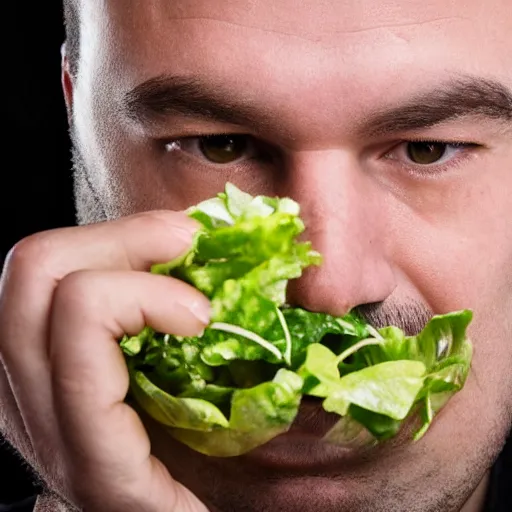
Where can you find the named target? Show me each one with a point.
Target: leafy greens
(241, 383)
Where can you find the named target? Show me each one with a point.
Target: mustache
(411, 316)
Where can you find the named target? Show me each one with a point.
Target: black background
(35, 186)
(36, 179)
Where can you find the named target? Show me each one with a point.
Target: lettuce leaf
(256, 414)
(241, 383)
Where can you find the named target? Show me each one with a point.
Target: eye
(430, 155)
(223, 149)
(216, 149)
(426, 153)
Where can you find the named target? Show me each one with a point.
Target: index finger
(31, 274)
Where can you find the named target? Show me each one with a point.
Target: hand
(66, 297)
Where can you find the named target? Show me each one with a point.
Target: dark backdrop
(36, 179)
(35, 186)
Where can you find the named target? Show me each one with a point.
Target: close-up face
(390, 122)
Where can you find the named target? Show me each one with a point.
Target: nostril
(317, 291)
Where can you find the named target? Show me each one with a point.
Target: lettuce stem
(354, 348)
(288, 351)
(250, 335)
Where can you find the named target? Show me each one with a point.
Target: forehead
(303, 16)
(274, 50)
(327, 23)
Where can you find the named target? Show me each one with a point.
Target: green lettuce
(240, 384)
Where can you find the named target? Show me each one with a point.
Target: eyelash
(463, 152)
(434, 169)
(180, 143)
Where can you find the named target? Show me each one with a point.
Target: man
(390, 123)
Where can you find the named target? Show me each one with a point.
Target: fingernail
(184, 233)
(201, 310)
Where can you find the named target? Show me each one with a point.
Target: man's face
(389, 123)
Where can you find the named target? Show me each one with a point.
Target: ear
(67, 82)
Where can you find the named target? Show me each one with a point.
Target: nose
(344, 210)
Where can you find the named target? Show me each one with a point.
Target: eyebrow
(158, 98)
(192, 97)
(455, 99)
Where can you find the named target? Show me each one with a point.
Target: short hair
(72, 27)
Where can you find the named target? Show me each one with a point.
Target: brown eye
(426, 153)
(223, 149)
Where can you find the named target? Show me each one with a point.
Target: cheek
(130, 175)
(453, 240)
(148, 178)
(457, 253)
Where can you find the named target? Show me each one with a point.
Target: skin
(392, 233)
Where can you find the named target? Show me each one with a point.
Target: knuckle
(24, 266)
(35, 256)
(77, 291)
(30, 252)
